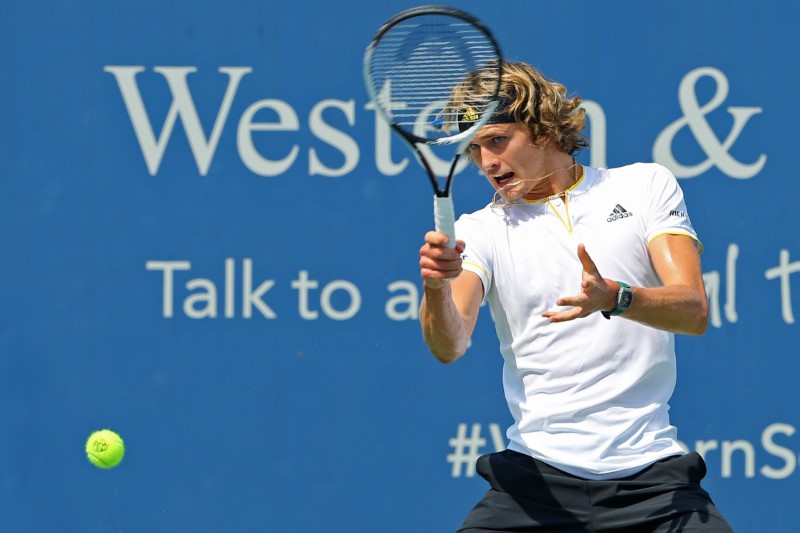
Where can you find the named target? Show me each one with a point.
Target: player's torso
(535, 249)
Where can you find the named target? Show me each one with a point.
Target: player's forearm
(443, 329)
(676, 308)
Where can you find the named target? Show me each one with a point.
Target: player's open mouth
(503, 178)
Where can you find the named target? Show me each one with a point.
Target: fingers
(593, 296)
(437, 261)
(586, 261)
(564, 316)
(579, 307)
(436, 238)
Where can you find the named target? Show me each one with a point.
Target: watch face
(625, 298)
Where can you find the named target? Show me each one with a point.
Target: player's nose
(488, 161)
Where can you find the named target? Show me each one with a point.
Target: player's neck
(562, 173)
(566, 178)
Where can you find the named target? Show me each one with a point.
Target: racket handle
(445, 217)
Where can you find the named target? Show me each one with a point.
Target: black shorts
(529, 495)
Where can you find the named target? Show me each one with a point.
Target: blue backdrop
(210, 246)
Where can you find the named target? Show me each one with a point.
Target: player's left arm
(680, 305)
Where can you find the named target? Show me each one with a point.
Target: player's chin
(511, 193)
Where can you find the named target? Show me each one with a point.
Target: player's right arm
(449, 309)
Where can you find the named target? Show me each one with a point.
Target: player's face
(514, 167)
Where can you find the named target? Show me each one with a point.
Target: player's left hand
(597, 293)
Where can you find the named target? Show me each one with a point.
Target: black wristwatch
(624, 301)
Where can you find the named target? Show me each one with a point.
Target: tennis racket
(416, 70)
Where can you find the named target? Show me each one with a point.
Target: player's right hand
(438, 262)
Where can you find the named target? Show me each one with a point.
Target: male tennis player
(589, 273)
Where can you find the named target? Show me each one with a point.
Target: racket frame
(444, 212)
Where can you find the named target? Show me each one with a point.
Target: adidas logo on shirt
(618, 213)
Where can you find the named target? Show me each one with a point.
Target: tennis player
(589, 273)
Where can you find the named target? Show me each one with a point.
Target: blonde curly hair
(527, 97)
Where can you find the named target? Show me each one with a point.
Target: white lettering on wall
(287, 121)
(694, 117)
(202, 300)
(344, 143)
(783, 272)
(251, 129)
(743, 456)
(182, 106)
(713, 289)
(597, 133)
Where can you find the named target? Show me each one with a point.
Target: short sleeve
(477, 257)
(667, 210)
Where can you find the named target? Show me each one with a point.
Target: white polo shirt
(588, 396)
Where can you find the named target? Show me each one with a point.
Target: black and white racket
(415, 68)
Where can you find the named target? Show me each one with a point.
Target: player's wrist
(434, 284)
(612, 287)
(623, 298)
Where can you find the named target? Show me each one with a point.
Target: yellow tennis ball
(105, 448)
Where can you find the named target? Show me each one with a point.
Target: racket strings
(418, 64)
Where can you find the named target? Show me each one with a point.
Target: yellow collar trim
(578, 180)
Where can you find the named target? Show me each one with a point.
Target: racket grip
(445, 217)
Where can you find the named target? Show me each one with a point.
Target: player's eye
(499, 139)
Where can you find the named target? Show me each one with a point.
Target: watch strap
(624, 300)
